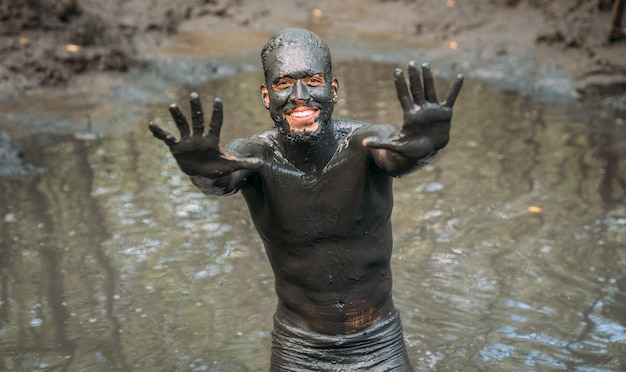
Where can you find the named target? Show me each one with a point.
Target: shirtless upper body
(319, 190)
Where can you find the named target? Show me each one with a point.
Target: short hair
(293, 36)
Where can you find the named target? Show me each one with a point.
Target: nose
(300, 92)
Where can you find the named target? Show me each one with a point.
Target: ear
(265, 96)
(334, 86)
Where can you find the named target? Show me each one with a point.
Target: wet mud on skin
(508, 248)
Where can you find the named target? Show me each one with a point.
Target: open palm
(426, 126)
(198, 154)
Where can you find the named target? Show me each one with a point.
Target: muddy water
(509, 249)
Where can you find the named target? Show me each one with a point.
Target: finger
(215, 126)
(180, 120)
(164, 136)
(454, 91)
(197, 116)
(249, 163)
(379, 143)
(402, 90)
(417, 91)
(429, 84)
(231, 165)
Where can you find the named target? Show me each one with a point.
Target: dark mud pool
(510, 248)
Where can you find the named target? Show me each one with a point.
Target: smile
(302, 118)
(302, 114)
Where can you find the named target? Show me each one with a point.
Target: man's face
(299, 92)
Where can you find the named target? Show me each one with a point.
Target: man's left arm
(426, 127)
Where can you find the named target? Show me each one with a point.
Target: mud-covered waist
(306, 337)
(335, 318)
(377, 347)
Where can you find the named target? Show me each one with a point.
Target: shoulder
(257, 145)
(348, 125)
(267, 137)
(356, 130)
(347, 129)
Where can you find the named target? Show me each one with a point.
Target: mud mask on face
(299, 62)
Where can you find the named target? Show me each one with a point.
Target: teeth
(302, 114)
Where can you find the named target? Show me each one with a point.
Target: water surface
(509, 249)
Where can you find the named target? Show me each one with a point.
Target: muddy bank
(48, 42)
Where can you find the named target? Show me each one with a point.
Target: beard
(301, 137)
(298, 137)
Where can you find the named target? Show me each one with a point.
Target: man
(319, 191)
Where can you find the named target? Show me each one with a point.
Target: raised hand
(426, 126)
(198, 154)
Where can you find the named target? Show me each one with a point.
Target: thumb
(249, 163)
(379, 143)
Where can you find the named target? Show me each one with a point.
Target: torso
(327, 235)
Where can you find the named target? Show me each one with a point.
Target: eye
(282, 84)
(315, 81)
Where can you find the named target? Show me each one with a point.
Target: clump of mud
(45, 42)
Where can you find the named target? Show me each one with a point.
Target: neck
(310, 152)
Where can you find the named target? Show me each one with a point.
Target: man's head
(299, 89)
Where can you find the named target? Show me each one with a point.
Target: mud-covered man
(319, 191)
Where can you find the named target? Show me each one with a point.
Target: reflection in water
(508, 248)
